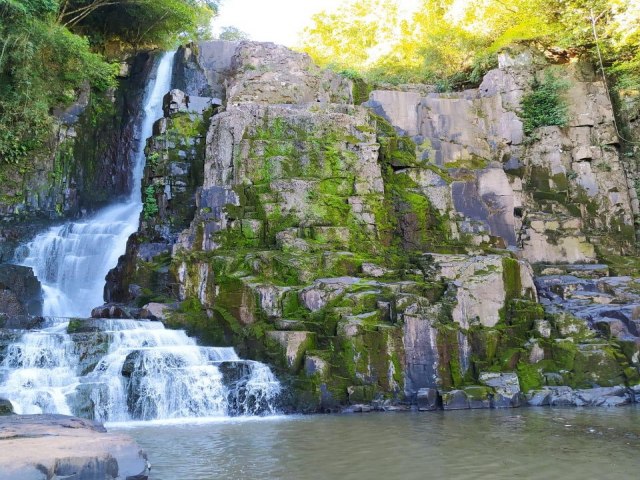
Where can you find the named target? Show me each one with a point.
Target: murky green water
(527, 443)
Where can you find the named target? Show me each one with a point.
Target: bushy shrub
(544, 105)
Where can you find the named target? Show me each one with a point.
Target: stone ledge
(35, 447)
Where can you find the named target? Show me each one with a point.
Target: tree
(233, 34)
(354, 35)
(137, 22)
(48, 51)
(454, 42)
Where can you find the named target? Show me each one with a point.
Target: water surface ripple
(531, 443)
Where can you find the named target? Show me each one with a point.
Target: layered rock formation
(380, 254)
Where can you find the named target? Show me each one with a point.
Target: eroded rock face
(572, 175)
(56, 446)
(308, 229)
(480, 286)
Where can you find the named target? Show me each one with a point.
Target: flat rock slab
(41, 447)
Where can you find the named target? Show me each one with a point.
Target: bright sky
(278, 21)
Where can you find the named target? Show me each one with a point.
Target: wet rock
(6, 408)
(38, 446)
(428, 399)
(593, 397)
(609, 305)
(422, 360)
(21, 322)
(130, 364)
(455, 400)
(155, 311)
(506, 387)
(20, 291)
(242, 397)
(115, 311)
(314, 365)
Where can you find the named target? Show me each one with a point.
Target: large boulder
(40, 447)
(20, 291)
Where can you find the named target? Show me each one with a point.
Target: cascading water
(72, 260)
(122, 370)
(118, 370)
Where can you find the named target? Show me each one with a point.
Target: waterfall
(118, 370)
(123, 370)
(72, 260)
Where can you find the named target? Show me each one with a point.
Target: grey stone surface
(270, 73)
(593, 397)
(455, 400)
(427, 399)
(41, 447)
(461, 130)
(20, 291)
(506, 386)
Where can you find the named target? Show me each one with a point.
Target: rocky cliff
(387, 253)
(85, 165)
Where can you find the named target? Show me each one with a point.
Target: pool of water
(531, 443)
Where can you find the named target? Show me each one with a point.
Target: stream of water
(72, 260)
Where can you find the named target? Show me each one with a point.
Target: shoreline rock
(34, 447)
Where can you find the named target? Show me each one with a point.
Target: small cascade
(131, 370)
(38, 371)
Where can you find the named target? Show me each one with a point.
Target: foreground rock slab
(42, 447)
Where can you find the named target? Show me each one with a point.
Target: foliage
(452, 43)
(354, 35)
(42, 65)
(544, 105)
(150, 204)
(48, 53)
(141, 23)
(233, 34)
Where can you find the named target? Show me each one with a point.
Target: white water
(147, 372)
(39, 372)
(72, 260)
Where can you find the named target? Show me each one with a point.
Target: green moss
(529, 376)
(150, 204)
(473, 162)
(596, 367)
(620, 265)
(478, 393)
(75, 326)
(448, 350)
(511, 278)
(361, 91)
(563, 354)
(632, 375)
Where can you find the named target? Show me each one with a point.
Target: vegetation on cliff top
(452, 43)
(50, 48)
